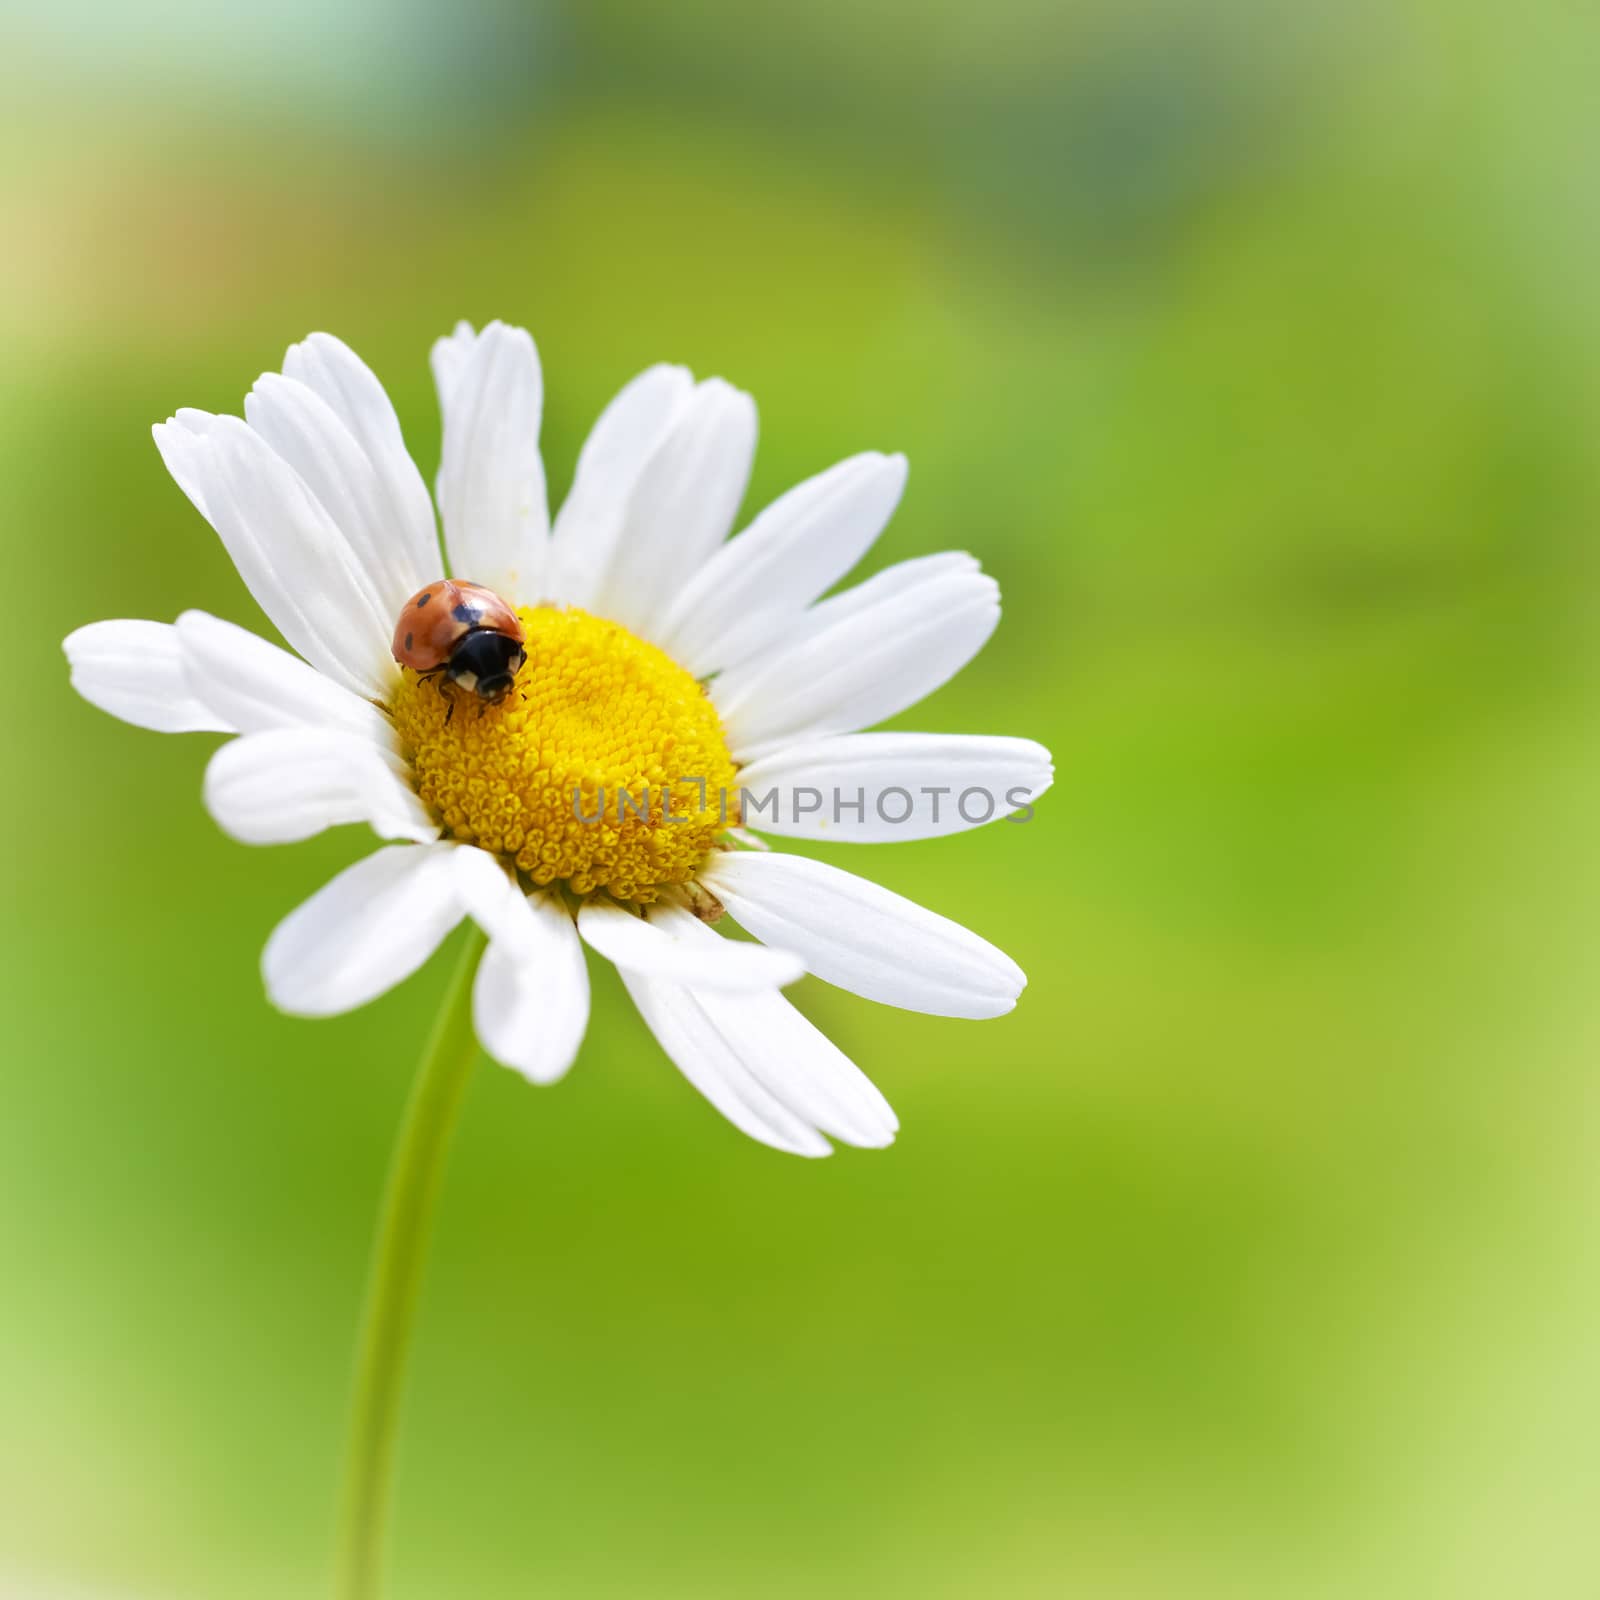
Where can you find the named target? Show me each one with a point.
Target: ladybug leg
(437, 675)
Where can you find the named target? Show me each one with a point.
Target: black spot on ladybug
(423, 599)
(468, 614)
(408, 636)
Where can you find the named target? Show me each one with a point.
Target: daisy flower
(679, 688)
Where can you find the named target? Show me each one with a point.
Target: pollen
(605, 767)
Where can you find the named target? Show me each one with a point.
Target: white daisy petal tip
(531, 993)
(619, 447)
(755, 1057)
(497, 340)
(758, 585)
(892, 471)
(332, 421)
(670, 374)
(728, 395)
(448, 355)
(798, 1064)
(255, 686)
(861, 656)
(302, 349)
(363, 932)
(882, 788)
(491, 482)
(307, 360)
(291, 554)
(288, 784)
(866, 939)
(719, 1067)
(176, 443)
(133, 670)
(681, 506)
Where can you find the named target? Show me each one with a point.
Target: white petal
(175, 441)
(800, 1066)
(800, 546)
(291, 783)
(682, 506)
(364, 932)
(865, 938)
(861, 662)
(491, 479)
(294, 559)
(874, 788)
(314, 440)
(134, 670)
(615, 453)
(668, 948)
(409, 549)
(255, 685)
(489, 894)
(701, 1053)
(789, 1057)
(449, 356)
(530, 1001)
(882, 586)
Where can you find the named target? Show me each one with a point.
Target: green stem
(395, 1276)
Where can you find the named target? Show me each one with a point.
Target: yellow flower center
(604, 767)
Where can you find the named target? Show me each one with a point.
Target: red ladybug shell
(436, 619)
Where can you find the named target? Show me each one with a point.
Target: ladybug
(465, 632)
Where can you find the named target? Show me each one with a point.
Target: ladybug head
(486, 662)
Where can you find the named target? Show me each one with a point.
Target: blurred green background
(1255, 349)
